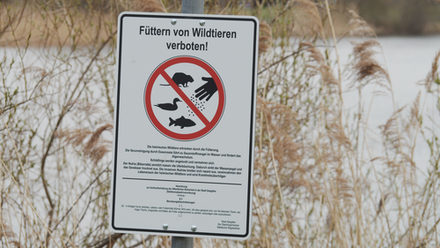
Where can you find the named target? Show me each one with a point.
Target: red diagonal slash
(185, 98)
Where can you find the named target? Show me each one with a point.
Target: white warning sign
(184, 125)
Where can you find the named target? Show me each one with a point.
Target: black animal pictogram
(169, 106)
(181, 79)
(182, 122)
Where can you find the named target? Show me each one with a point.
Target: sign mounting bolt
(202, 23)
(173, 21)
(193, 228)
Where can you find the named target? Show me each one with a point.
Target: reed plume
(265, 37)
(433, 76)
(366, 69)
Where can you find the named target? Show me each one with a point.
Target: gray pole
(193, 6)
(189, 7)
(182, 242)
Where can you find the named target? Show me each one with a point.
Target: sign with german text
(184, 125)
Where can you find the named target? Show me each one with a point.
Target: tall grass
(317, 180)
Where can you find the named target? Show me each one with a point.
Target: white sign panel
(184, 131)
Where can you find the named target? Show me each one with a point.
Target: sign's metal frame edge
(252, 126)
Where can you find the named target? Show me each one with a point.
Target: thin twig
(66, 109)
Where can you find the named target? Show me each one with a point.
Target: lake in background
(408, 61)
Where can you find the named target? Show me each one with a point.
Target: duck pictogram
(169, 106)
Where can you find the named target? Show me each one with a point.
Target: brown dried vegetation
(317, 180)
(148, 6)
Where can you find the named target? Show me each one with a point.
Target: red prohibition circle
(209, 124)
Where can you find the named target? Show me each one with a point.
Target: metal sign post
(193, 6)
(181, 242)
(189, 7)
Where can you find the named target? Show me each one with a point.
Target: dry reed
(148, 6)
(316, 181)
